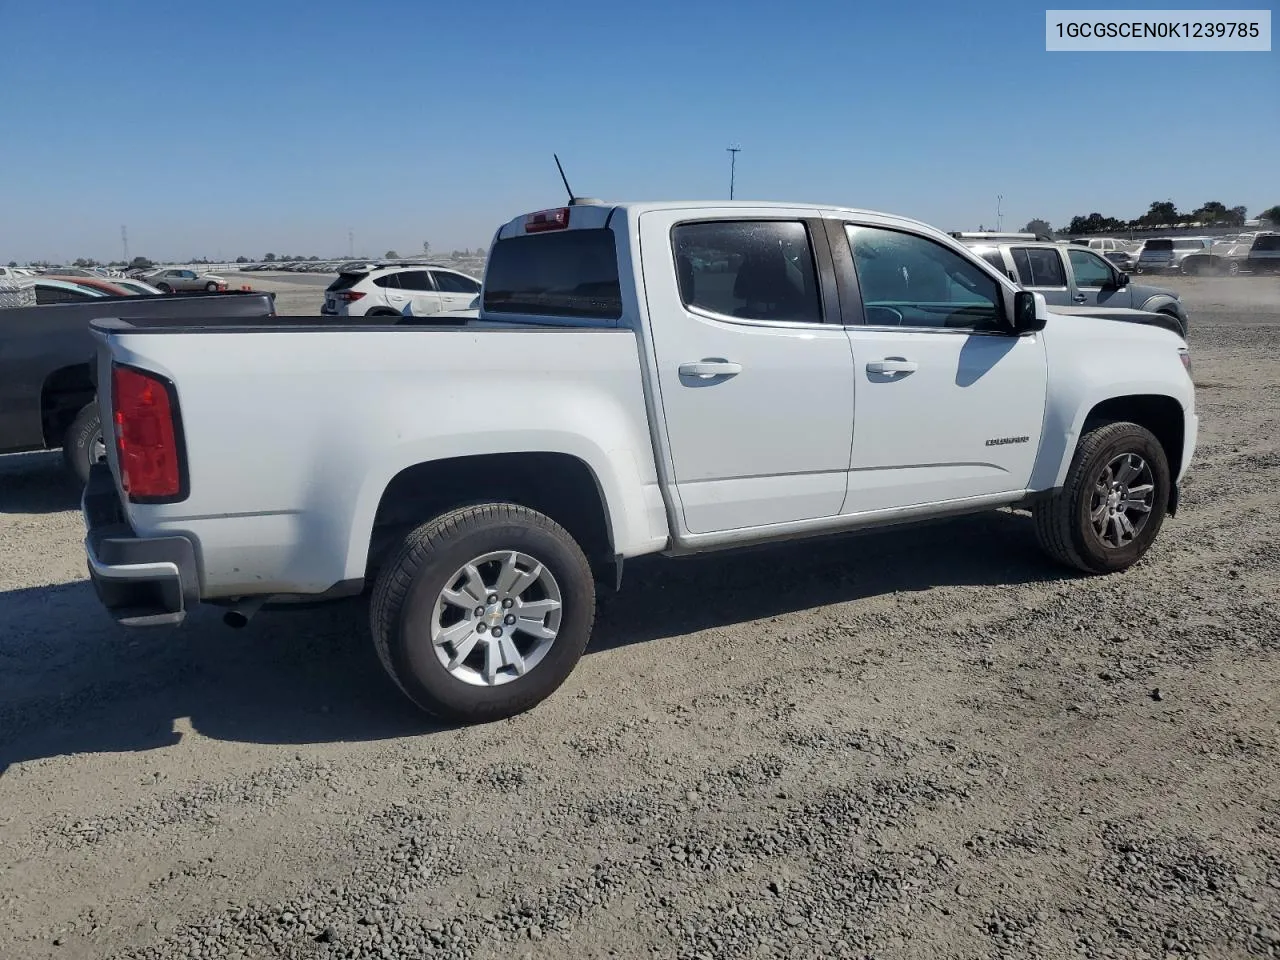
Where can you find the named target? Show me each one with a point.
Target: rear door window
(418, 280)
(1040, 267)
(750, 269)
(454, 283)
(568, 273)
(1267, 244)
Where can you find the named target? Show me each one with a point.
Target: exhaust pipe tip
(240, 613)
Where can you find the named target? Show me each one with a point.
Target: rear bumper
(141, 581)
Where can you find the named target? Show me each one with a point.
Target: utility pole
(124, 243)
(999, 215)
(733, 165)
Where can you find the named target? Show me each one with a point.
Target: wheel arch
(560, 485)
(1160, 413)
(63, 394)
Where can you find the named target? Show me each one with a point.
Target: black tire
(211, 288)
(383, 312)
(1182, 328)
(408, 587)
(1062, 522)
(80, 439)
(164, 288)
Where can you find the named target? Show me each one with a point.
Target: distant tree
(1037, 227)
(13, 263)
(84, 263)
(1236, 216)
(242, 259)
(1271, 213)
(1161, 211)
(426, 248)
(391, 255)
(140, 263)
(313, 257)
(1212, 212)
(270, 258)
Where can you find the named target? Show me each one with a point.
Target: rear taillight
(543, 220)
(146, 435)
(350, 296)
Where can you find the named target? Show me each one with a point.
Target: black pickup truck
(47, 396)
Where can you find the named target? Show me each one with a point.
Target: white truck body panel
(296, 516)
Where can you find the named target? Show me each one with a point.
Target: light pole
(999, 215)
(733, 166)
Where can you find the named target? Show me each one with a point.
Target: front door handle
(1079, 298)
(707, 369)
(892, 365)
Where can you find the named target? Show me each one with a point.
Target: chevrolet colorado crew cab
(640, 378)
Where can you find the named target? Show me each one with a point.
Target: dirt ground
(924, 743)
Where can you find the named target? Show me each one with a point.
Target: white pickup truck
(641, 378)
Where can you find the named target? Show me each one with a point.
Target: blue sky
(238, 128)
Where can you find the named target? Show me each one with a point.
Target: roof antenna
(573, 201)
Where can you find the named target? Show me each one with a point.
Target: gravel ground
(930, 743)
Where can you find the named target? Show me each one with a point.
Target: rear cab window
(568, 273)
(346, 281)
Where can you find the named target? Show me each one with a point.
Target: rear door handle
(707, 369)
(892, 365)
(1079, 298)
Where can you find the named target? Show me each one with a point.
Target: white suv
(416, 290)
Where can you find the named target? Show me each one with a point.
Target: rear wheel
(1233, 269)
(484, 612)
(1109, 511)
(164, 288)
(83, 444)
(211, 287)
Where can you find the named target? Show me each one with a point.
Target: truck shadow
(36, 483)
(75, 682)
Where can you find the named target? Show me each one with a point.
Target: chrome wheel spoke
(1116, 535)
(492, 662)
(1142, 490)
(1136, 503)
(456, 634)
(511, 654)
(535, 627)
(463, 650)
(538, 608)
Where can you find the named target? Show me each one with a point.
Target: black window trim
(828, 298)
(851, 289)
(1067, 273)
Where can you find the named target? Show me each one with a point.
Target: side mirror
(1122, 280)
(1028, 314)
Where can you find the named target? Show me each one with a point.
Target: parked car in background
(1073, 275)
(109, 288)
(137, 286)
(1166, 254)
(1264, 254)
(387, 291)
(180, 280)
(49, 290)
(1103, 245)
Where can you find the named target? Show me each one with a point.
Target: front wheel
(211, 288)
(1107, 514)
(484, 612)
(164, 288)
(1233, 269)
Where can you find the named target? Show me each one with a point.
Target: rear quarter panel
(292, 436)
